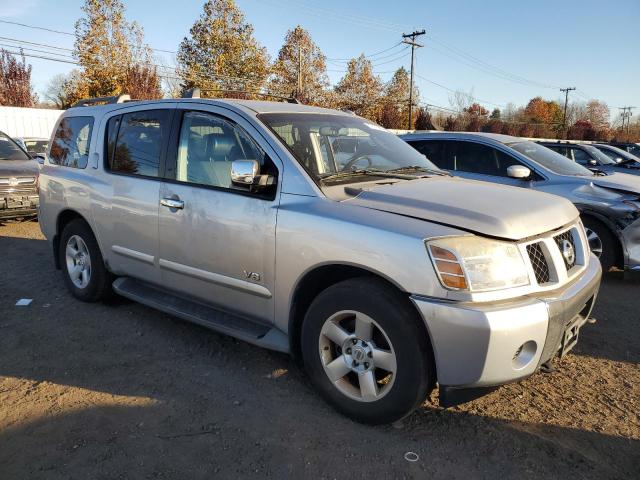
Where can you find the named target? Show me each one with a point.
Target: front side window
(476, 158)
(9, 150)
(580, 156)
(135, 140)
(329, 144)
(70, 146)
(549, 159)
(208, 145)
(434, 150)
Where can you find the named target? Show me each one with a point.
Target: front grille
(538, 262)
(569, 260)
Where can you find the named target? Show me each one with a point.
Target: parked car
(609, 204)
(621, 157)
(34, 146)
(632, 148)
(590, 157)
(383, 275)
(18, 181)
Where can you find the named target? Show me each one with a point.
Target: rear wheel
(83, 268)
(366, 351)
(601, 242)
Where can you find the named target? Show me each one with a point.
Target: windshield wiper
(418, 168)
(373, 172)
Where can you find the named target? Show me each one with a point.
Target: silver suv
(317, 233)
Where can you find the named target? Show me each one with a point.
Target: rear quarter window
(70, 145)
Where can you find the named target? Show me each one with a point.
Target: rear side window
(70, 146)
(434, 150)
(135, 141)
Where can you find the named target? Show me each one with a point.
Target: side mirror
(593, 162)
(244, 172)
(518, 171)
(619, 159)
(41, 157)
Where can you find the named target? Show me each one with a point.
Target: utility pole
(299, 70)
(566, 102)
(626, 115)
(414, 45)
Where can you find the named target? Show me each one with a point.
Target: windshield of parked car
(549, 159)
(333, 146)
(9, 150)
(597, 154)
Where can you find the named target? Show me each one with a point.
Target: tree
(142, 82)
(581, 130)
(495, 114)
(106, 47)
(476, 109)
(360, 89)
(300, 54)
(221, 52)
(597, 113)
(395, 102)
(539, 110)
(15, 81)
(423, 120)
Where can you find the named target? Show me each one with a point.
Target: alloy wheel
(357, 356)
(595, 242)
(78, 261)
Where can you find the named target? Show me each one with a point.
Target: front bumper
(12, 206)
(484, 345)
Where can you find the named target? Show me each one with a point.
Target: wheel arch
(321, 277)
(615, 232)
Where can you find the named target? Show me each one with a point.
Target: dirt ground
(94, 391)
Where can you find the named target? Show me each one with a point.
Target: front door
(217, 241)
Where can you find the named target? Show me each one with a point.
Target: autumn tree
(360, 89)
(423, 120)
(394, 109)
(477, 110)
(221, 52)
(300, 59)
(108, 49)
(15, 81)
(597, 113)
(142, 82)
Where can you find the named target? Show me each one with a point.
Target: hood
(618, 181)
(18, 168)
(486, 208)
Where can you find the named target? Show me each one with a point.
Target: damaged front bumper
(19, 205)
(480, 346)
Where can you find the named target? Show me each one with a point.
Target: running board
(209, 317)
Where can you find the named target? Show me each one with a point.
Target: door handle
(172, 203)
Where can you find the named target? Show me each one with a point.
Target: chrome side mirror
(41, 157)
(593, 162)
(518, 171)
(244, 172)
(619, 159)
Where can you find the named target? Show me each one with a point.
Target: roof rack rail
(87, 102)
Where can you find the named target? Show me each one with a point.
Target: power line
(345, 60)
(67, 33)
(456, 91)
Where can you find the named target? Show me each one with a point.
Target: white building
(28, 122)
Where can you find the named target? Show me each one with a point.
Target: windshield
(597, 154)
(614, 153)
(549, 159)
(328, 144)
(9, 150)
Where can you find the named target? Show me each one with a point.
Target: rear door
(217, 240)
(127, 214)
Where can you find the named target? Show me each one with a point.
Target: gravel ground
(93, 391)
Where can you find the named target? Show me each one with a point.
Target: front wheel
(366, 351)
(601, 242)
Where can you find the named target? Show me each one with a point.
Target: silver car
(609, 203)
(320, 234)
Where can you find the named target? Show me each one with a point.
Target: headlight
(477, 264)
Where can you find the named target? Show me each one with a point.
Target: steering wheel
(355, 159)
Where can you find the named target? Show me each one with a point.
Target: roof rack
(88, 102)
(196, 91)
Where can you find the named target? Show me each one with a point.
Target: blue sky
(539, 45)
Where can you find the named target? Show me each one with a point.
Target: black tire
(610, 251)
(391, 310)
(100, 280)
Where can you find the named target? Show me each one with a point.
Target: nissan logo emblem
(568, 252)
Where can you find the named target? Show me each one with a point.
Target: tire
(95, 283)
(367, 391)
(601, 242)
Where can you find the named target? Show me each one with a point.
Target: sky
(501, 51)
